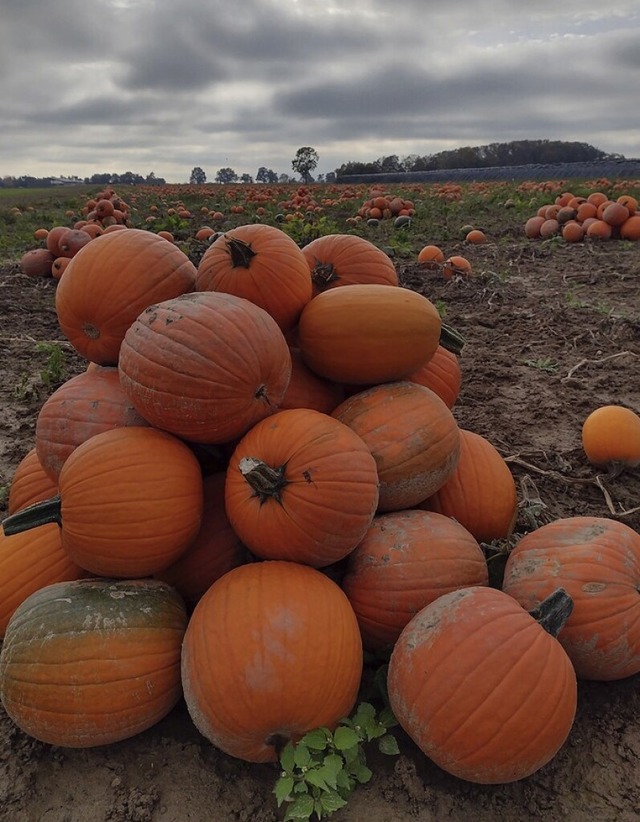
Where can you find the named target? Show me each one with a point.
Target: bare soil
(552, 332)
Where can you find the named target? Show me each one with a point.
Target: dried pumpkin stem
(451, 339)
(323, 275)
(241, 253)
(266, 482)
(40, 513)
(553, 612)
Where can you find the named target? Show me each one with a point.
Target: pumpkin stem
(277, 742)
(40, 513)
(241, 253)
(553, 612)
(266, 482)
(451, 339)
(323, 275)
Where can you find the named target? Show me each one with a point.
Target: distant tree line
(104, 179)
(518, 152)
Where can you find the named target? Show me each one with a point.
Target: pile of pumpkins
(595, 217)
(259, 476)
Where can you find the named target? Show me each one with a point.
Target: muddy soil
(552, 332)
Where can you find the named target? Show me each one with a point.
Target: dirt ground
(552, 332)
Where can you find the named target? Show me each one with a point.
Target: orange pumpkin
(412, 435)
(597, 561)
(481, 687)
(480, 493)
(37, 263)
(29, 483)
(272, 651)
(301, 486)
(346, 259)
(308, 390)
(406, 560)
(368, 334)
(130, 502)
(91, 662)
(611, 434)
(456, 266)
(85, 405)
(110, 281)
(442, 375)
(430, 256)
(262, 264)
(205, 366)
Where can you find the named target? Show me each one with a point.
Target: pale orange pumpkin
(611, 434)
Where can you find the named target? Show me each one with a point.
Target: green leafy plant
(54, 371)
(321, 770)
(543, 364)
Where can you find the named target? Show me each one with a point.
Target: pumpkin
(442, 375)
(301, 486)
(28, 562)
(476, 237)
(611, 434)
(368, 334)
(215, 550)
(29, 483)
(308, 390)
(205, 366)
(272, 651)
(110, 281)
(262, 264)
(37, 263)
(406, 560)
(130, 503)
(482, 688)
(91, 662)
(412, 435)
(597, 560)
(430, 257)
(346, 259)
(457, 266)
(480, 493)
(630, 229)
(85, 405)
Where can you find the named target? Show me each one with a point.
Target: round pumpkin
(94, 661)
(368, 334)
(130, 502)
(83, 406)
(272, 651)
(110, 281)
(301, 486)
(480, 493)
(406, 560)
(205, 366)
(597, 560)
(481, 687)
(412, 435)
(29, 483)
(611, 434)
(308, 390)
(441, 374)
(262, 264)
(346, 259)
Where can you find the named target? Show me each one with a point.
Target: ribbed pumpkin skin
(205, 366)
(308, 390)
(215, 550)
(83, 406)
(329, 493)
(481, 687)
(406, 560)
(29, 483)
(368, 334)
(442, 375)
(597, 561)
(93, 662)
(274, 274)
(272, 651)
(412, 435)
(110, 281)
(131, 502)
(28, 562)
(480, 493)
(345, 259)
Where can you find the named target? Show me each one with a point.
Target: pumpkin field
(494, 318)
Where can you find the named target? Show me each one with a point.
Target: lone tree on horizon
(304, 162)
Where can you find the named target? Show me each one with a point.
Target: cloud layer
(153, 85)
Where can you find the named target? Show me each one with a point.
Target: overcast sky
(166, 85)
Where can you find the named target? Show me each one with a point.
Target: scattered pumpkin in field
(37, 262)
(456, 266)
(484, 689)
(476, 237)
(610, 435)
(430, 256)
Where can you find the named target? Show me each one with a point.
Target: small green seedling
(321, 770)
